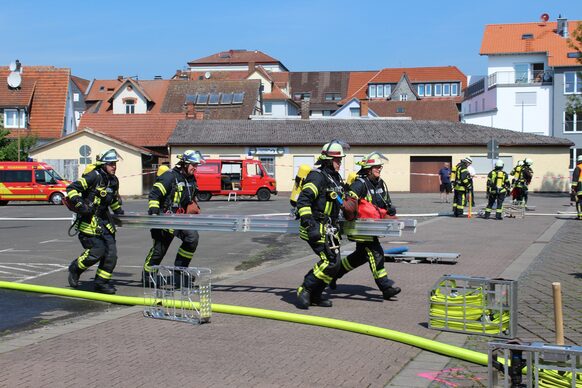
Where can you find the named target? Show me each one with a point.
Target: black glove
(82, 208)
(154, 211)
(391, 210)
(119, 212)
(312, 228)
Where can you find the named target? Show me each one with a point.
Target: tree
(9, 147)
(574, 104)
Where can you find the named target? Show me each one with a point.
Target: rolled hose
(409, 339)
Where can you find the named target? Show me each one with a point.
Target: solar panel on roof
(238, 98)
(226, 99)
(202, 99)
(213, 100)
(190, 98)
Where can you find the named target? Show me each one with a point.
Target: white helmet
(499, 164)
(520, 162)
(373, 159)
(528, 162)
(191, 157)
(108, 156)
(333, 149)
(467, 160)
(579, 158)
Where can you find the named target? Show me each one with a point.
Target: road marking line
(17, 269)
(55, 240)
(43, 274)
(7, 250)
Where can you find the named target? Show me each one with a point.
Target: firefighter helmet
(520, 162)
(373, 159)
(191, 157)
(467, 160)
(579, 159)
(528, 162)
(499, 164)
(333, 149)
(108, 156)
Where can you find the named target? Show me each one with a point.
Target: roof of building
(81, 83)
(99, 96)
(359, 80)
(319, 83)
(354, 132)
(49, 100)
(179, 89)
(143, 130)
(109, 137)
(226, 75)
(417, 110)
(236, 57)
(20, 97)
(522, 38)
(276, 94)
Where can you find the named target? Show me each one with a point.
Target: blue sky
(104, 39)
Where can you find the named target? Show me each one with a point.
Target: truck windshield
(55, 175)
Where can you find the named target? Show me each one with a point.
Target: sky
(105, 39)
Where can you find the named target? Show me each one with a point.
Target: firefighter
(522, 182)
(369, 186)
(318, 206)
(514, 175)
(91, 196)
(173, 191)
(577, 186)
(462, 186)
(497, 189)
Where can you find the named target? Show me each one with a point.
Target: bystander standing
(445, 182)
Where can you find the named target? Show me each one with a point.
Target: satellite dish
(545, 17)
(12, 66)
(207, 75)
(14, 80)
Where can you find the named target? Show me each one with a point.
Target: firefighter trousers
(370, 252)
(99, 248)
(162, 240)
(323, 271)
(495, 198)
(459, 202)
(579, 206)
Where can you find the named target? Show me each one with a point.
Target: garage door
(420, 167)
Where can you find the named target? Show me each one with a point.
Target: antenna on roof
(14, 79)
(544, 17)
(207, 75)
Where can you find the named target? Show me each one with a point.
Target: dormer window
(11, 119)
(527, 36)
(129, 106)
(379, 90)
(404, 97)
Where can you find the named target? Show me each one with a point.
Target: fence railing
(513, 77)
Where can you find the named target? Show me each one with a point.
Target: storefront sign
(266, 151)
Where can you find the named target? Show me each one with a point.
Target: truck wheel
(204, 196)
(263, 194)
(56, 199)
(3, 203)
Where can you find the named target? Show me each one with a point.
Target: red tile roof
(276, 94)
(146, 130)
(358, 84)
(103, 90)
(218, 75)
(507, 39)
(81, 83)
(17, 98)
(47, 109)
(233, 57)
(442, 110)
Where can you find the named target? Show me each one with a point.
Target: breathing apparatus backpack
(302, 173)
(454, 173)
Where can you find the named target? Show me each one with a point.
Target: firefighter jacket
(374, 192)
(173, 192)
(525, 177)
(463, 181)
(98, 191)
(320, 198)
(576, 180)
(497, 182)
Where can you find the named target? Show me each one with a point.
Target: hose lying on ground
(549, 378)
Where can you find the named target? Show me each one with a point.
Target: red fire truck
(30, 181)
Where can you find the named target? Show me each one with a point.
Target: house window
(11, 118)
(404, 97)
(372, 91)
(446, 89)
(525, 98)
(75, 97)
(438, 89)
(268, 108)
(454, 89)
(521, 73)
(387, 90)
(400, 109)
(428, 89)
(327, 112)
(420, 90)
(573, 122)
(572, 82)
(129, 106)
(302, 96)
(380, 91)
(355, 112)
(333, 97)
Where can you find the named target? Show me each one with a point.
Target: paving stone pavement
(122, 348)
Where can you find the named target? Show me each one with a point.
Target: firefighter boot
(104, 286)
(390, 292)
(317, 299)
(486, 216)
(74, 274)
(303, 298)
(498, 216)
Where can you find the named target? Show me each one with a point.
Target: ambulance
(30, 181)
(239, 176)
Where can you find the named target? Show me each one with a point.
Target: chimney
(562, 29)
(120, 78)
(364, 108)
(199, 116)
(305, 109)
(252, 67)
(190, 111)
(157, 77)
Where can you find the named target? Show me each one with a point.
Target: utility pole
(18, 131)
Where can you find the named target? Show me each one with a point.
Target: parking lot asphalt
(93, 343)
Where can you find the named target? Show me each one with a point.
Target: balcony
(505, 78)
